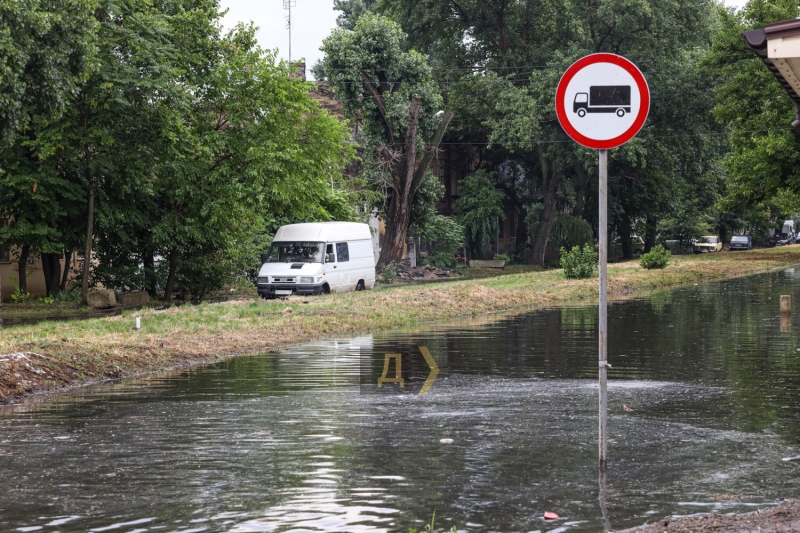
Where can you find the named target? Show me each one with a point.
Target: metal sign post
(602, 237)
(602, 102)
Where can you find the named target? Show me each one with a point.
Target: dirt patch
(784, 518)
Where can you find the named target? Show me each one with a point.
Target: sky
(312, 21)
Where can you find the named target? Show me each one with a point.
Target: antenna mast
(289, 4)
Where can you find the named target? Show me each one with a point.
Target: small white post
(602, 228)
(138, 322)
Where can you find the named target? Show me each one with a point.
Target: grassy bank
(60, 354)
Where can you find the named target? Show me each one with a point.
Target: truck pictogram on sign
(603, 99)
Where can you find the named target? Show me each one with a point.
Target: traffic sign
(602, 101)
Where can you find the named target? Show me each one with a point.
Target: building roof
(778, 46)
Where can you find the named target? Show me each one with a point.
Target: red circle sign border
(644, 95)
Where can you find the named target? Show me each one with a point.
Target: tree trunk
(22, 266)
(401, 158)
(173, 268)
(723, 233)
(149, 273)
(87, 250)
(581, 188)
(652, 227)
(549, 187)
(624, 231)
(65, 275)
(51, 267)
(542, 236)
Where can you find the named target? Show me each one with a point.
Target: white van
(318, 258)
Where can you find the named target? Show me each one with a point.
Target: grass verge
(63, 354)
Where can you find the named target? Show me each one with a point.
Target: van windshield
(295, 252)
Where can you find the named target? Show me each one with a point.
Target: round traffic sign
(602, 101)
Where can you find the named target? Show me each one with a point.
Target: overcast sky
(312, 21)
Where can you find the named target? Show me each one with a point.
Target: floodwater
(703, 402)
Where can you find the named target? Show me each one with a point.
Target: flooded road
(704, 415)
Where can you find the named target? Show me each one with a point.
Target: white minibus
(318, 258)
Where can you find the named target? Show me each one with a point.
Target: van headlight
(263, 279)
(306, 280)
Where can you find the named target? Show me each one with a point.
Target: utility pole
(289, 4)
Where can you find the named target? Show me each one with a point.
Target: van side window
(330, 257)
(342, 252)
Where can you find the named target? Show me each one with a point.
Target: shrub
(389, 273)
(502, 257)
(72, 296)
(579, 263)
(658, 257)
(19, 296)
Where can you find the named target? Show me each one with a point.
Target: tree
(46, 47)
(392, 90)
(479, 209)
(253, 144)
(500, 63)
(764, 157)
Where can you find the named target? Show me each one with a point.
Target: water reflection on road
(304, 440)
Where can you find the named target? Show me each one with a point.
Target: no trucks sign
(602, 101)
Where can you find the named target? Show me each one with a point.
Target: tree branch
(379, 103)
(430, 151)
(411, 143)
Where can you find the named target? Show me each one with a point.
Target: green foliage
(510, 107)
(579, 263)
(388, 273)
(658, 257)
(377, 48)
(764, 155)
(18, 296)
(479, 209)
(46, 47)
(445, 237)
(502, 257)
(568, 232)
(71, 296)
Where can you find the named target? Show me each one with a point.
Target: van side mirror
(264, 258)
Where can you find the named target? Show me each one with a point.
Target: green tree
(45, 49)
(238, 163)
(500, 63)
(393, 91)
(764, 157)
(480, 207)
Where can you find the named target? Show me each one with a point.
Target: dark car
(741, 242)
(779, 239)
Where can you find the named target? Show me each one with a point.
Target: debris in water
(787, 459)
(446, 441)
(625, 406)
(550, 516)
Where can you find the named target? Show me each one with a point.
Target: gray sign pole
(602, 228)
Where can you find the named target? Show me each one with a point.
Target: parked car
(707, 243)
(741, 242)
(318, 258)
(780, 239)
(636, 243)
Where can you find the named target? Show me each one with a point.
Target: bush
(19, 296)
(71, 296)
(579, 263)
(502, 257)
(445, 237)
(658, 257)
(388, 273)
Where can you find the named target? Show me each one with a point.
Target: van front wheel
(326, 289)
(360, 285)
